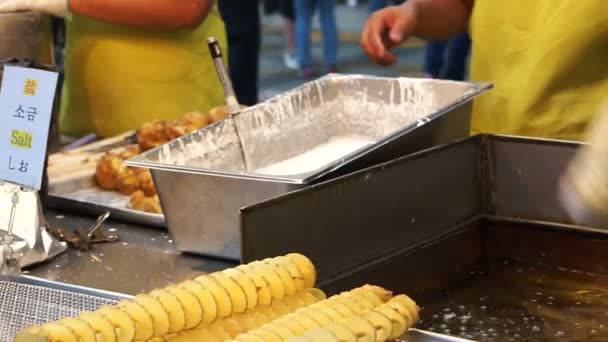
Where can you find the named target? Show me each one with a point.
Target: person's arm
(162, 14)
(428, 19)
(173, 14)
(441, 19)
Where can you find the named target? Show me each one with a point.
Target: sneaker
(306, 72)
(291, 62)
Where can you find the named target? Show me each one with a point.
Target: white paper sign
(26, 105)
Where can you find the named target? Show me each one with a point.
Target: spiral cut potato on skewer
(236, 300)
(264, 301)
(241, 323)
(366, 314)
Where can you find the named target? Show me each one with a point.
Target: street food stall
(267, 225)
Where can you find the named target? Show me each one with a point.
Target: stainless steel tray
(27, 301)
(206, 177)
(83, 194)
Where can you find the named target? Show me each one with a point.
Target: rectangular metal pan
(206, 177)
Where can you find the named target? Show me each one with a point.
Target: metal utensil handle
(11, 220)
(222, 73)
(100, 220)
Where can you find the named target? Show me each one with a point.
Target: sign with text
(26, 106)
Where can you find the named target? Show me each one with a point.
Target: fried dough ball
(110, 165)
(137, 200)
(218, 113)
(188, 123)
(152, 134)
(150, 204)
(106, 170)
(145, 183)
(126, 179)
(130, 151)
(194, 120)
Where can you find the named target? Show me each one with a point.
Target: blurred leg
(458, 53)
(303, 12)
(289, 56)
(242, 20)
(433, 60)
(330, 32)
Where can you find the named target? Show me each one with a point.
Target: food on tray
(218, 114)
(268, 300)
(188, 123)
(363, 321)
(152, 134)
(111, 174)
(150, 204)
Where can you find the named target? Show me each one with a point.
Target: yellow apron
(548, 60)
(117, 78)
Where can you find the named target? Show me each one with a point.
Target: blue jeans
(375, 5)
(305, 10)
(457, 54)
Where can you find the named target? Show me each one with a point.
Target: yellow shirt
(117, 77)
(548, 60)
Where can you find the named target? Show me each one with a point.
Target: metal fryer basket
(25, 303)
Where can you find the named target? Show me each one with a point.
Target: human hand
(55, 7)
(386, 29)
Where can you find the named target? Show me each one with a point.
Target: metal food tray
(206, 177)
(28, 301)
(83, 194)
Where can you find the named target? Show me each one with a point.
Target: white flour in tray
(318, 156)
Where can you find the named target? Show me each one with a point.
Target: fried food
(218, 114)
(150, 204)
(186, 124)
(112, 174)
(238, 324)
(152, 134)
(145, 183)
(107, 169)
(126, 179)
(368, 313)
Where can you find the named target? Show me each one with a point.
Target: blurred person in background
(305, 10)
(287, 11)
(450, 64)
(375, 5)
(128, 62)
(243, 26)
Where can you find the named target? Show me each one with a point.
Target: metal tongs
(85, 240)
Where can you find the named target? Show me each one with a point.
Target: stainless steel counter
(142, 260)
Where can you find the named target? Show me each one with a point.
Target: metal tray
(83, 194)
(206, 177)
(27, 301)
